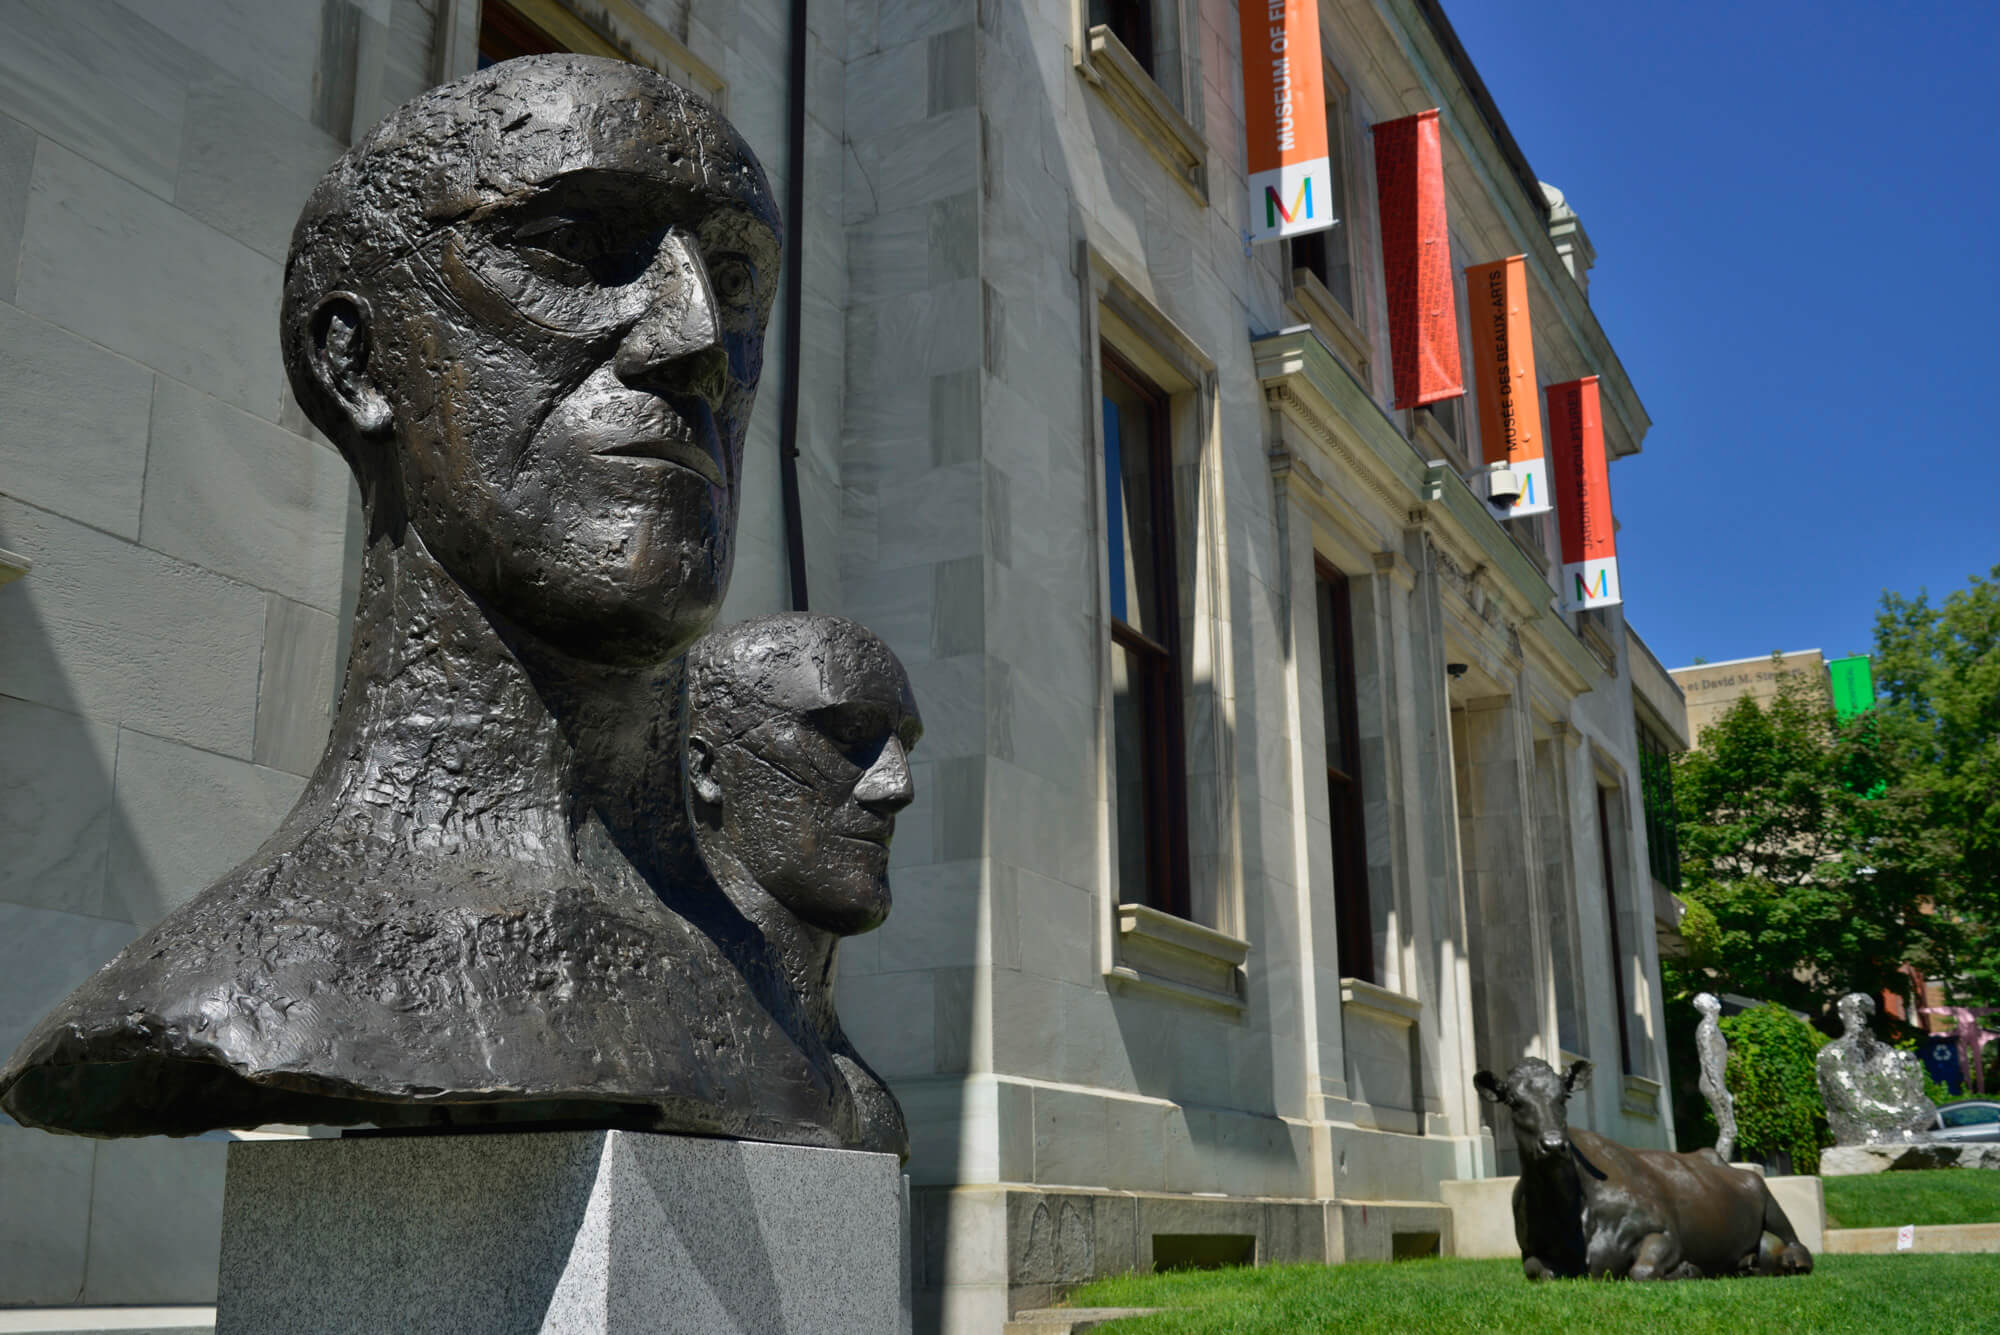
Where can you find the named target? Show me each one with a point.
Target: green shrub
(1771, 1074)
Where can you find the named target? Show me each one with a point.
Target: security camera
(1503, 486)
(1456, 670)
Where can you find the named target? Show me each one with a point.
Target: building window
(1149, 772)
(1328, 254)
(1131, 21)
(1608, 850)
(1656, 786)
(504, 34)
(1353, 917)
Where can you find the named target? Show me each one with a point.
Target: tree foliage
(1810, 876)
(1773, 1075)
(1937, 676)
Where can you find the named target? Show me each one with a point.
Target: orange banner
(1416, 260)
(1284, 119)
(1583, 496)
(1503, 367)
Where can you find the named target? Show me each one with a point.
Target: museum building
(1265, 794)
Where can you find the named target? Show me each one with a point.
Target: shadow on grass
(1845, 1295)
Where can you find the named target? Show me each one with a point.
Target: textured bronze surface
(529, 310)
(1586, 1205)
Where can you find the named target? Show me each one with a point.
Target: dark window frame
(1131, 22)
(1353, 905)
(1309, 251)
(1656, 787)
(504, 33)
(1604, 796)
(1154, 664)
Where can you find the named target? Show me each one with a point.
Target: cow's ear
(1577, 1077)
(1488, 1087)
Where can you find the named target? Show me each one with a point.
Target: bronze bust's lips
(676, 452)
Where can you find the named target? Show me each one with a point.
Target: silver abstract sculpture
(1713, 1051)
(1874, 1094)
(529, 309)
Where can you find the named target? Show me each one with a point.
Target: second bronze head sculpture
(529, 309)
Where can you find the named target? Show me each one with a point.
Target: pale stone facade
(995, 193)
(1712, 689)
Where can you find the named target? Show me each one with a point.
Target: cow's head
(1535, 1095)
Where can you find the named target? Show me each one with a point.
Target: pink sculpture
(1971, 1038)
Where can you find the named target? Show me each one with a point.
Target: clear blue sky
(1796, 209)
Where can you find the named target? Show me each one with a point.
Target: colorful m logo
(1527, 491)
(1302, 204)
(1603, 589)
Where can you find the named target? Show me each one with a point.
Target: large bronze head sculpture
(529, 310)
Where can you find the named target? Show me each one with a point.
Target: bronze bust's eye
(734, 280)
(580, 250)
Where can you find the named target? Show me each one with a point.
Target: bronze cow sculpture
(1586, 1205)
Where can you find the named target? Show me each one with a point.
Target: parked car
(1974, 1119)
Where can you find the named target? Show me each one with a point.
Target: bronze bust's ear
(1578, 1075)
(338, 340)
(1489, 1087)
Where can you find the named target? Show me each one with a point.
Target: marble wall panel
(103, 258)
(892, 1020)
(101, 81)
(73, 436)
(45, 1229)
(239, 495)
(936, 921)
(1056, 925)
(44, 954)
(57, 814)
(270, 47)
(155, 1222)
(125, 635)
(297, 686)
(17, 163)
(247, 164)
(185, 818)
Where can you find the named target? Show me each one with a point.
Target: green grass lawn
(1864, 1295)
(1928, 1196)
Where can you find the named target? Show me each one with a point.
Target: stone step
(1070, 1320)
(1930, 1238)
(107, 1321)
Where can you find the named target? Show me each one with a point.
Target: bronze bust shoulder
(529, 310)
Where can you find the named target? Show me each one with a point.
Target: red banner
(1583, 496)
(1416, 260)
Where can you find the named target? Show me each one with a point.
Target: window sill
(1378, 1001)
(1640, 1096)
(1341, 331)
(1170, 956)
(1115, 72)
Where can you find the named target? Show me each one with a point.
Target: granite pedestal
(561, 1233)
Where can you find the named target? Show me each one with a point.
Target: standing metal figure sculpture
(1712, 1049)
(528, 308)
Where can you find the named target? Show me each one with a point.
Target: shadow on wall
(130, 734)
(84, 1219)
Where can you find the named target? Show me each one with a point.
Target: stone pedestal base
(1856, 1160)
(561, 1233)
